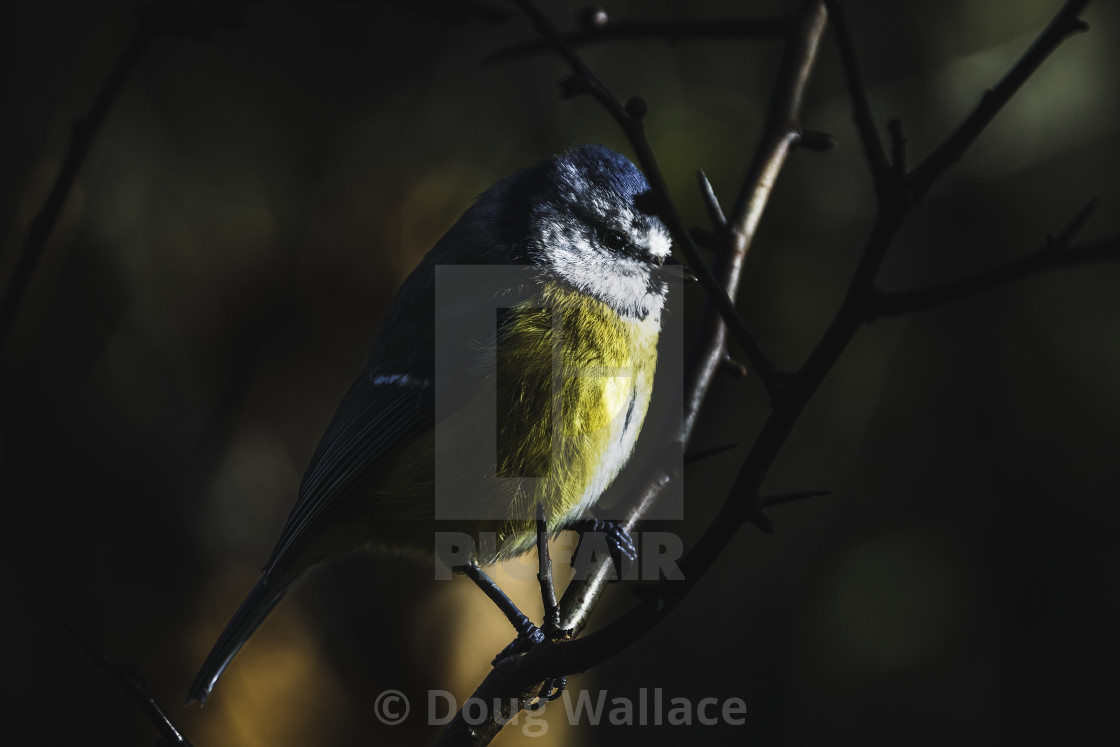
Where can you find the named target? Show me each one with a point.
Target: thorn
(691, 457)
(815, 140)
(733, 367)
(767, 501)
(686, 274)
(711, 202)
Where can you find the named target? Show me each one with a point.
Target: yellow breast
(574, 382)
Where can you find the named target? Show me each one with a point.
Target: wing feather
(376, 415)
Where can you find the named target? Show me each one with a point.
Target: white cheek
(659, 244)
(622, 284)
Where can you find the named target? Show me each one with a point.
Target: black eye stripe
(614, 240)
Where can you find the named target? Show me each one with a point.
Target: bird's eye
(614, 241)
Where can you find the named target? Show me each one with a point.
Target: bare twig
(897, 197)
(129, 684)
(1065, 23)
(1041, 260)
(783, 498)
(672, 30)
(711, 202)
(779, 134)
(81, 139)
(693, 457)
(857, 90)
(177, 18)
(782, 128)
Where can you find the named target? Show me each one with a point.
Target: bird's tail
(265, 595)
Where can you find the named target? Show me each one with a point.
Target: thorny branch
(898, 190)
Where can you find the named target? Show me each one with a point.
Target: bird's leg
(619, 543)
(552, 688)
(544, 576)
(528, 634)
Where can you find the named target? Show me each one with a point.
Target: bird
(511, 375)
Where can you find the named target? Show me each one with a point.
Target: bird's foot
(619, 544)
(529, 636)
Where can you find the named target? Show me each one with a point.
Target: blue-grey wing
(379, 412)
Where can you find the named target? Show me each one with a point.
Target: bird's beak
(685, 272)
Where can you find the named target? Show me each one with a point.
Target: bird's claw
(550, 691)
(529, 636)
(620, 544)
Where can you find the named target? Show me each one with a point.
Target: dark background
(246, 214)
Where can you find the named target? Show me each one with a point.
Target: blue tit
(588, 297)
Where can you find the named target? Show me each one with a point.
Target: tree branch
(782, 128)
(1040, 261)
(82, 135)
(133, 689)
(598, 31)
(180, 18)
(1065, 23)
(857, 90)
